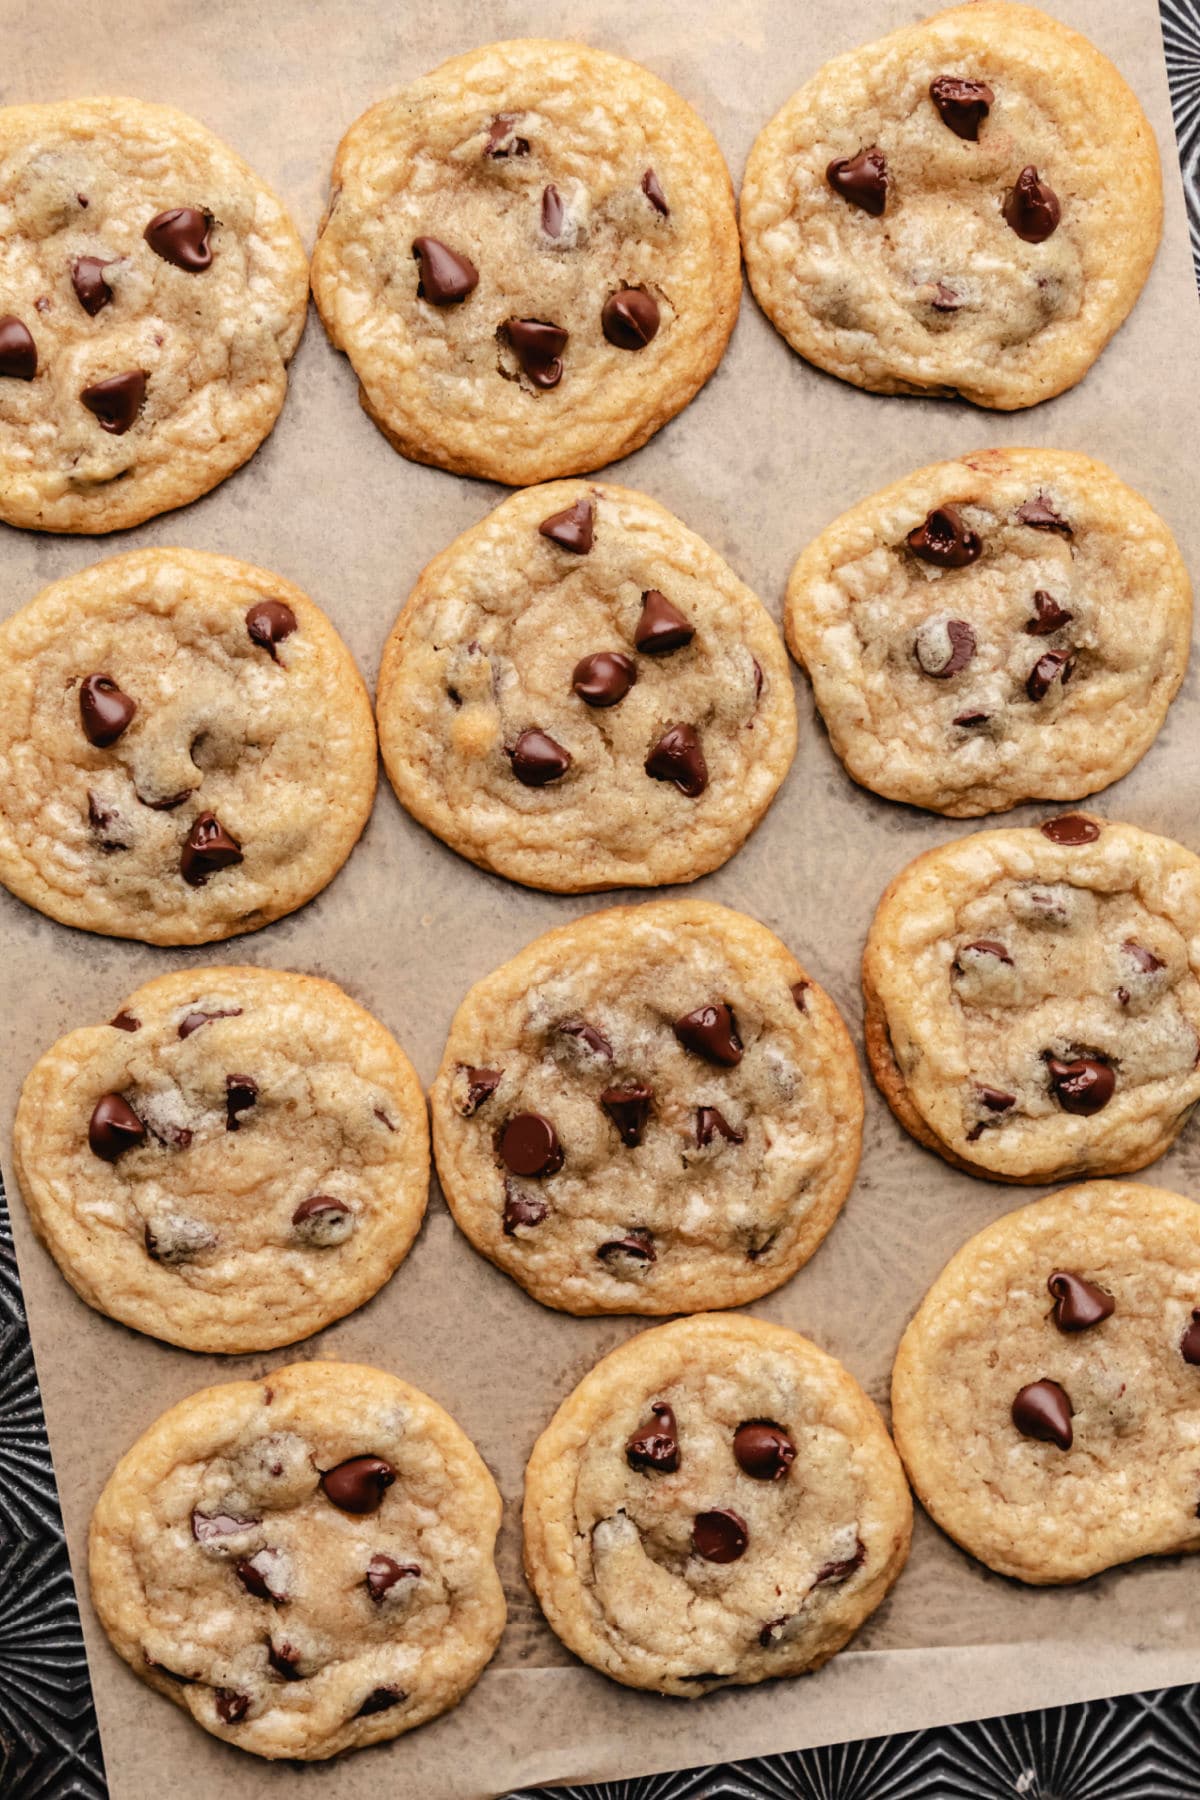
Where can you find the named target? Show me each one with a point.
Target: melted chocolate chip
(637, 1245)
(91, 290)
(969, 721)
(711, 1032)
(944, 299)
(1084, 1085)
(521, 1210)
(1189, 1345)
(963, 104)
(984, 947)
(861, 179)
(605, 678)
(207, 849)
(116, 402)
(629, 1109)
(538, 759)
(629, 318)
(102, 818)
(241, 1093)
(654, 194)
(125, 1021)
(1042, 516)
(553, 211)
(720, 1536)
(322, 1221)
(232, 1707)
(1070, 829)
(383, 1572)
(573, 528)
(114, 1128)
(529, 1145)
(104, 711)
(1078, 1303)
(502, 138)
(995, 1099)
(945, 540)
(832, 1574)
(445, 277)
(944, 647)
(711, 1123)
(261, 1576)
(661, 627)
(1031, 207)
(210, 1528)
(381, 1698)
(18, 352)
(268, 623)
(538, 347)
(284, 1658)
(677, 757)
(1145, 960)
(195, 1020)
(799, 989)
(1054, 665)
(763, 1450)
(359, 1484)
(654, 1447)
(589, 1035)
(1043, 1411)
(1048, 615)
(180, 237)
(481, 1085)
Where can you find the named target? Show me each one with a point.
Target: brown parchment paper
(765, 457)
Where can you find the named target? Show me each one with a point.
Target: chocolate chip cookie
(239, 1157)
(302, 1563)
(969, 206)
(531, 259)
(1047, 1394)
(1033, 998)
(718, 1502)
(652, 1110)
(152, 291)
(186, 748)
(581, 694)
(1007, 627)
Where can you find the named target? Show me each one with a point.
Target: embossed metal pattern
(1140, 1747)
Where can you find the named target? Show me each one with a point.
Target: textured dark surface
(1141, 1747)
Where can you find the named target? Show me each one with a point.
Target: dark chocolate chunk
(1071, 829)
(1031, 207)
(655, 1447)
(763, 1450)
(445, 276)
(269, 622)
(113, 1128)
(572, 528)
(359, 1484)
(1051, 666)
(529, 1146)
(1078, 1303)
(195, 1020)
(1189, 1345)
(207, 848)
(261, 1575)
(116, 402)
(1043, 1411)
(1084, 1085)
(661, 627)
(18, 352)
(678, 757)
(629, 1109)
(125, 1021)
(379, 1700)
(91, 290)
(629, 318)
(963, 104)
(984, 947)
(521, 1210)
(383, 1572)
(241, 1093)
(1042, 516)
(945, 540)
(104, 711)
(1145, 960)
(637, 1245)
(944, 648)
(180, 236)
(605, 678)
(537, 759)
(588, 1035)
(323, 1221)
(481, 1085)
(553, 211)
(711, 1032)
(232, 1707)
(652, 189)
(284, 1658)
(720, 1536)
(711, 1123)
(861, 179)
(1048, 615)
(538, 347)
(502, 137)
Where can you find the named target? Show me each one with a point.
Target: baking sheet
(762, 460)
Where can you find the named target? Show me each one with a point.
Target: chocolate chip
(538, 759)
(1071, 829)
(262, 1576)
(538, 347)
(169, 1238)
(629, 318)
(605, 678)
(521, 1210)
(91, 290)
(1189, 1344)
(571, 529)
(637, 1245)
(1042, 1410)
(1031, 207)
(945, 540)
(1042, 516)
(655, 1447)
(104, 711)
(720, 1536)
(758, 678)
(970, 721)
(241, 1093)
(944, 647)
(232, 1707)
(661, 627)
(116, 402)
(588, 1035)
(553, 211)
(114, 1127)
(383, 1572)
(207, 849)
(529, 1145)
(629, 1109)
(678, 757)
(1145, 960)
(101, 818)
(18, 352)
(359, 1484)
(711, 1123)
(984, 947)
(125, 1021)
(481, 1085)
(652, 189)
(799, 989)
(861, 179)
(502, 138)
(944, 299)
(284, 1658)
(1078, 1304)
(995, 1099)
(195, 1020)
(323, 1221)
(711, 1032)
(444, 276)
(210, 1528)
(1054, 665)
(963, 104)
(268, 623)
(763, 1450)
(180, 236)
(1084, 1085)
(1048, 615)
(380, 1698)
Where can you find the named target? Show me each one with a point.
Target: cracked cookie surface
(580, 694)
(717, 1503)
(968, 206)
(186, 748)
(530, 258)
(652, 1110)
(153, 291)
(240, 1157)
(1010, 626)
(302, 1563)
(1046, 1396)
(1033, 998)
